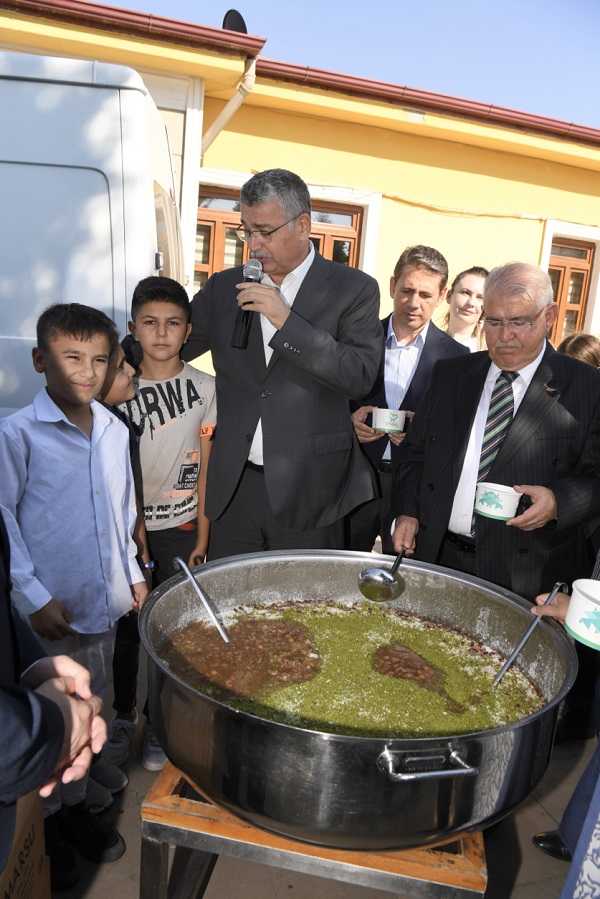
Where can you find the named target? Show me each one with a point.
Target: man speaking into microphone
(285, 467)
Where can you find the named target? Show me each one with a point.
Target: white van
(86, 195)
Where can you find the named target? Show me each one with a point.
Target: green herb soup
(355, 669)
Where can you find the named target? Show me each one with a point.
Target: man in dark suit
(550, 452)
(285, 466)
(49, 717)
(413, 345)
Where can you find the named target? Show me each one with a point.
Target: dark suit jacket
(32, 726)
(553, 441)
(327, 351)
(438, 345)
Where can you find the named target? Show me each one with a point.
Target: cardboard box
(27, 871)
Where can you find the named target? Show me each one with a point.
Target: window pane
(555, 278)
(341, 251)
(575, 288)
(226, 205)
(200, 279)
(202, 244)
(234, 248)
(571, 252)
(316, 243)
(569, 323)
(332, 218)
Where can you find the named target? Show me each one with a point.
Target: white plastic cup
(390, 421)
(583, 617)
(496, 501)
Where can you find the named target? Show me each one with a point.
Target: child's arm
(199, 552)
(49, 617)
(52, 621)
(140, 536)
(139, 593)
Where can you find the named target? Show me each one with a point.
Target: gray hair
(428, 257)
(520, 279)
(278, 184)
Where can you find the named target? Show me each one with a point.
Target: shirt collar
(391, 340)
(298, 274)
(47, 410)
(526, 373)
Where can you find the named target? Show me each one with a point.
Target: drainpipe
(232, 105)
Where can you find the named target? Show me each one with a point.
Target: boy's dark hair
(74, 320)
(158, 289)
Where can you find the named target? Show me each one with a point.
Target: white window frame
(557, 229)
(369, 201)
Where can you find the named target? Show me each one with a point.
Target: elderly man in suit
(545, 442)
(413, 345)
(285, 466)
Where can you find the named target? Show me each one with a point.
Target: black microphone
(252, 272)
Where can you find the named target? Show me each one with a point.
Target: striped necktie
(596, 571)
(499, 418)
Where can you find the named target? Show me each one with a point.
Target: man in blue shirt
(413, 344)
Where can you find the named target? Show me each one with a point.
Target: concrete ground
(516, 869)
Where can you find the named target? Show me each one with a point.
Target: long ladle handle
(178, 562)
(396, 564)
(558, 586)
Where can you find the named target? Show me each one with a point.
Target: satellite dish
(233, 21)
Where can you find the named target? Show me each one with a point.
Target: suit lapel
(313, 290)
(420, 378)
(539, 400)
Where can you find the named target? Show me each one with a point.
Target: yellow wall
(496, 202)
(479, 192)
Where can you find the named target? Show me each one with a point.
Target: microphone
(252, 272)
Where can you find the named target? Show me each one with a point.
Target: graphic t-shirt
(170, 417)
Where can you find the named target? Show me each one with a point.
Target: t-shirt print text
(156, 406)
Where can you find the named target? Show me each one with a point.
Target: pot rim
(254, 558)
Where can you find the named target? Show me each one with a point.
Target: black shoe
(570, 727)
(97, 841)
(64, 872)
(550, 842)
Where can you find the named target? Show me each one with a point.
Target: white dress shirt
(464, 499)
(400, 364)
(288, 291)
(69, 507)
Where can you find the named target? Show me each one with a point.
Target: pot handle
(390, 762)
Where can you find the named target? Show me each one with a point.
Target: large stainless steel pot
(342, 791)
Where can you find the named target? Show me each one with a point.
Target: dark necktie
(499, 418)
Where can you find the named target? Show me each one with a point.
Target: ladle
(558, 586)
(179, 563)
(377, 584)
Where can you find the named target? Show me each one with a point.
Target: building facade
(387, 165)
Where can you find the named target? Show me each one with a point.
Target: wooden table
(174, 813)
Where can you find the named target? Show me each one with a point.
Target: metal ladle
(558, 586)
(179, 563)
(377, 584)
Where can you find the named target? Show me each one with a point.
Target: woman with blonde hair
(465, 308)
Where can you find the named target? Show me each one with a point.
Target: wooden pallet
(170, 817)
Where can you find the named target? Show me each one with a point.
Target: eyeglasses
(513, 324)
(247, 236)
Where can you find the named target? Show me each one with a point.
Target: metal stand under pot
(174, 813)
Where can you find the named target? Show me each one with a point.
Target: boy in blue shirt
(66, 488)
